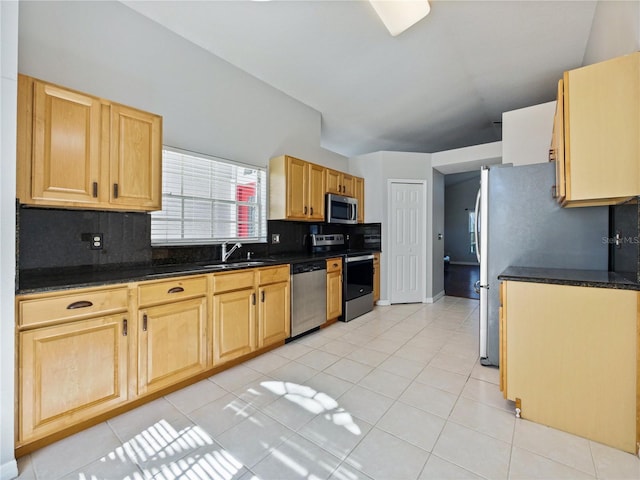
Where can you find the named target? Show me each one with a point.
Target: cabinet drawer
(334, 264)
(273, 275)
(223, 282)
(52, 309)
(171, 290)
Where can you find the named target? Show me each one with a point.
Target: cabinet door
(334, 294)
(234, 332)
(274, 319)
(316, 191)
(66, 146)
(70, 373)
(376, 277)
(173, 343)
(333, 181)
(136, 159)
(348, 187)
(358, 184)
(602, 122)
(297, 184)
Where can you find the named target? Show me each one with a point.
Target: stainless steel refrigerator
(520, 224)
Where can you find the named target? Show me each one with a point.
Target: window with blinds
(209, 200)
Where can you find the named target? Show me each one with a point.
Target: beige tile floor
(395, 394)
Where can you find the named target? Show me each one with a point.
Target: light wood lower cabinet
(75, 369)
(376, 277)
(84, 353)
(334, 288)
(569, 359)
(234, 324)
(251, 309)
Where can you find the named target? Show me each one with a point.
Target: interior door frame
(423, 234)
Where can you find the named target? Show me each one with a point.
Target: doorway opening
(461, 269)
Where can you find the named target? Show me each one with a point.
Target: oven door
(358, 276)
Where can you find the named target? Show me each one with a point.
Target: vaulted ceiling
(442, 84)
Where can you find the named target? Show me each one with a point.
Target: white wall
(526, 134)
(208, 105)
(8, 85)
(615, 31)
(467, 159)
(377, 168)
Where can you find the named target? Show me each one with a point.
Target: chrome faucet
(225, 254)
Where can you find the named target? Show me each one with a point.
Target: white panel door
(407, 212)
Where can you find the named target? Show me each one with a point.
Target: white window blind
(209, 200)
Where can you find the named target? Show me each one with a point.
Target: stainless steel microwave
(341, 209)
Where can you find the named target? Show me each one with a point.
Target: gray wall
(209, 106)
(460, 199)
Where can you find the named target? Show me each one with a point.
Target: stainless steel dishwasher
(308, 296)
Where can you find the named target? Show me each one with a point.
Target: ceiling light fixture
(398, 15)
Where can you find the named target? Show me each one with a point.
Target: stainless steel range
(357, 274)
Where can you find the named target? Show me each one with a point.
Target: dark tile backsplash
(52, 238)
(49, 238)
(624, 258)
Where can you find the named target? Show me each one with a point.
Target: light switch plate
(275, 238)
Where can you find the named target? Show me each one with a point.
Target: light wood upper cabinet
(334, 288)
(66, 145)
(569, 357)
(598, 143)
(136, 152)
(340, 183)
(296, 190)
(358, 185)
(79, 151)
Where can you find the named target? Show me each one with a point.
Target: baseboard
(383, 303)
(435, 298)
(475, 264)
(9, 470)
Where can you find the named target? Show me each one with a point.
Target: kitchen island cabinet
(569, 359)
(595, 134)
(76, 150)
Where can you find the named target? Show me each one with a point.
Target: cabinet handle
(175, 290)
(311, 210)
(262, 299)
(554, 191)
(305, 209)
(125, 329)
(340, 187)
(144, 322)
(115, 190)
(335, 265)
(253, 298)
(95, 189)
(80, 304)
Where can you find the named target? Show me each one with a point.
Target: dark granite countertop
(561, 276)
(42, 280)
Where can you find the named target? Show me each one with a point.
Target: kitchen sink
(227, 266)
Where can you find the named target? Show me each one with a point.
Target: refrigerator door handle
(476, 286)
(477, 224)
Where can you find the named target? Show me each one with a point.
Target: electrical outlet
(96, 242)
(275, 238)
